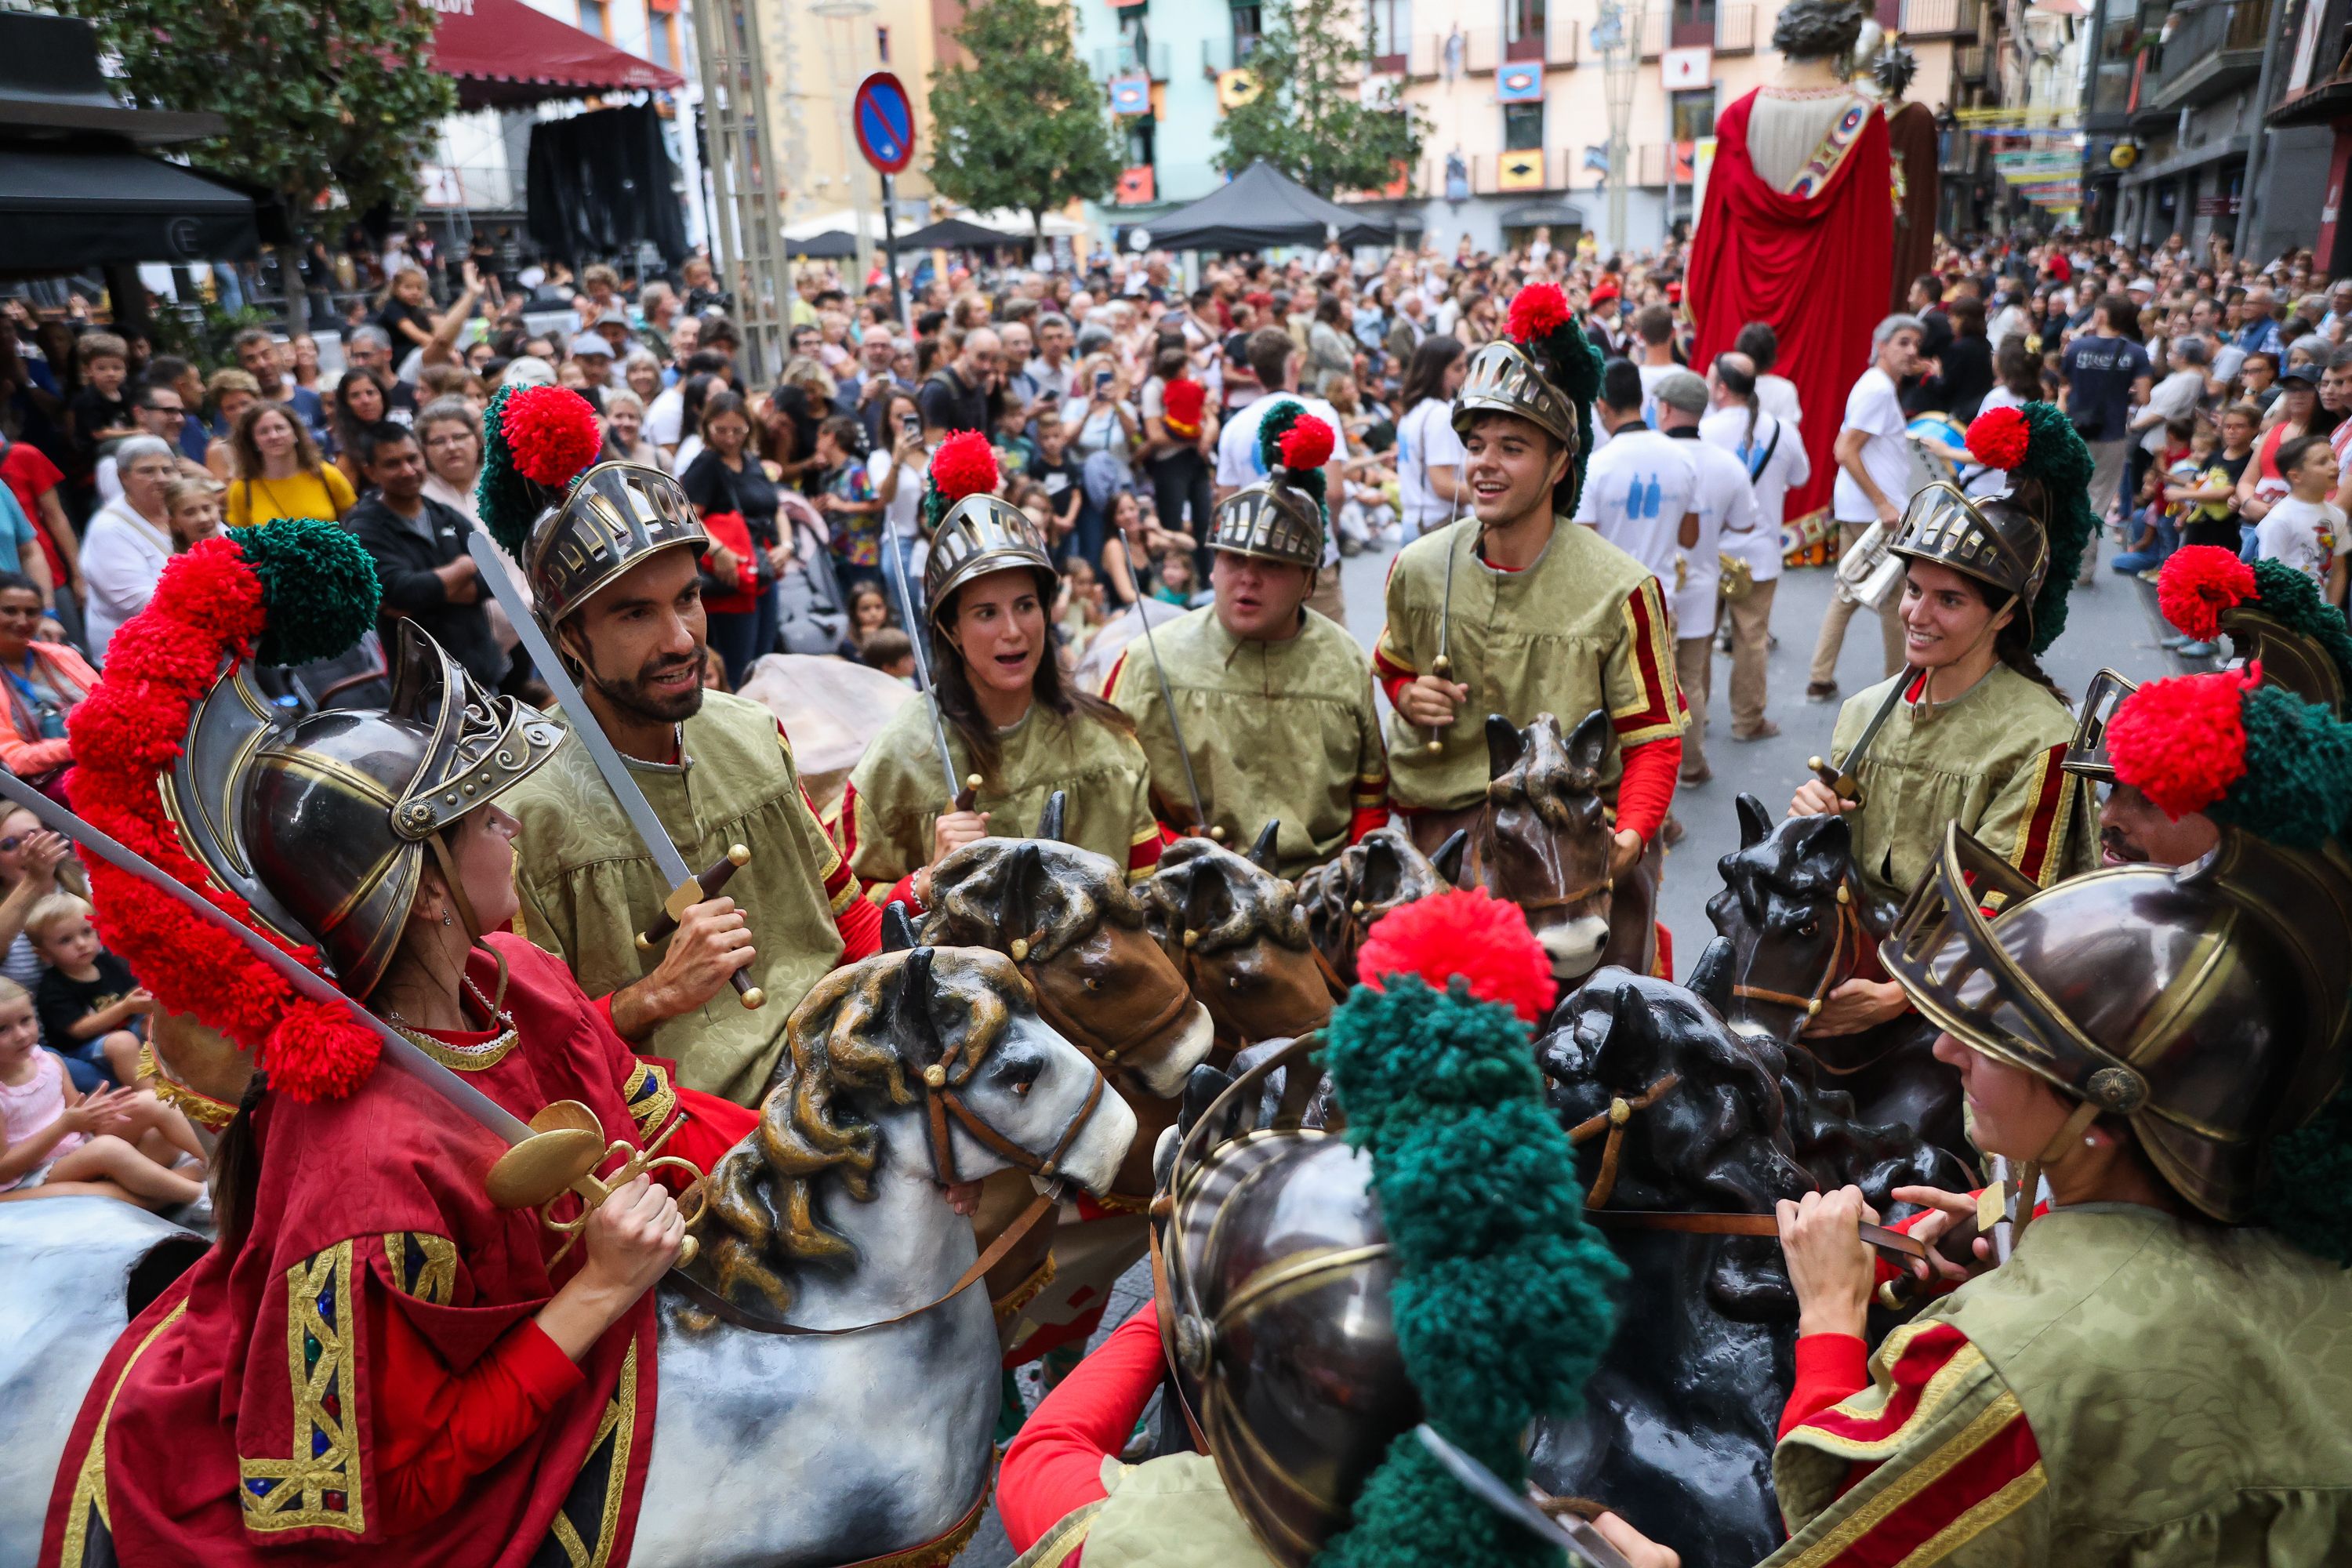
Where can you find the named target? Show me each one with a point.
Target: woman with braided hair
(1975, 733)
(1014, 719)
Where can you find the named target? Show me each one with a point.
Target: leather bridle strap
(1612, 1120)
(1573, 896)
(727, 1312)
(1090, 1044)
(1846, 943)
(946, 1102)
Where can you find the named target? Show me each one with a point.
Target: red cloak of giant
(235, 1422)
(1816, 268)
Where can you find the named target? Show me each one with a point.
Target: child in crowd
(1016, 454)
(2304, 529)
(1063, 483)
(121, 1142)
(1173, 581)
(98, 413)
(853, 510)
(89, 1005)
(192, 512)
(1078, 606)
(889, 650)
(2155, 530)
(869, 610)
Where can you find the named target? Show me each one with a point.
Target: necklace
(463, 1059)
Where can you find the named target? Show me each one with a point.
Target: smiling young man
(1530, 613)
(615, 575)
(1272, 697)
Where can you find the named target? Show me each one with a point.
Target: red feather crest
(1307, 444)
(2182, 741)
(550, 433)
(2197, 582)
(964, 465)
(1537, 311)
(1998, 436)
(1471, 935)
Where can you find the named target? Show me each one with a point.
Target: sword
(1167, 700)
(1581, 1541)
(962, 793)
(1443, 665)
(1840, 778)
(687, 889)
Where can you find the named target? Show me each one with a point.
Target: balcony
(1652, 161)
(1939, 18)
(1119, 60)
(1725, 30)
(1971, 62)
(2210, 50)
(1498, 174)
(1482, 51)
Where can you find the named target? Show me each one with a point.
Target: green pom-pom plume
(2290, 598)
(2056, 459)
(317, 584)
(508, 502)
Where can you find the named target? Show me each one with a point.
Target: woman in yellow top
(279, 472)
(231, 393)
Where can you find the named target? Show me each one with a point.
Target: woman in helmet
(2160, 1373)
(1974, 732)
(374, 1346)
(1017, 727)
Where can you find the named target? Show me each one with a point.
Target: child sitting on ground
(889, 650)
(55, 1142)
(89, 1006)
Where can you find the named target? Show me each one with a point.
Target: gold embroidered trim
(1928, 1469)
(464, 1058)
(619, 1426)
(1021, 1295)
(201, 1109)
(317, 1486)
(90, 1480)
(429, 1271)
(650, 1098)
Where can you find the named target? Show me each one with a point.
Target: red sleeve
(1366, 819)
(1393, 677)
(1144, 856)
(435, 1430)
(1055, 1466)
(1647, 788)
(712, 1126)
(860, 924)
(1830, 1369)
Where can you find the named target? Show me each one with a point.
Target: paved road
(2114, 623)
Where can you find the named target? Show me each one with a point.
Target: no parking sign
(884, 120)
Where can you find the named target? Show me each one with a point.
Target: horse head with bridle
(1688, 1136)
(1543, 843)
(1235, 932)
(1380, 871)
(1793, 924)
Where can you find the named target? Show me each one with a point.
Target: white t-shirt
(1635, 495)
(1650, 375)
(1237, 462)
(1777, 395)
(903, 513)
(2174, 397)
(2303, 535)
(1727, 509)
(122, 554)
(1426, 437)
(1873, 408)
(1774, 466)
(666, 416)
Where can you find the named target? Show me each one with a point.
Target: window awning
(62, 208)
(505, 55)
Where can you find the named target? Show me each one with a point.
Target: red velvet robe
(241, 1411)
(1762, 255)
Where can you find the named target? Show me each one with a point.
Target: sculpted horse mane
(968, 890)
(850, 1035)
(1220, 900)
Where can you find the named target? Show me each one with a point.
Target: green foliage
(1021, 124)
(319, 587)
(204, 336)
(1502, 1302)
(1309, 120)
(319, 95)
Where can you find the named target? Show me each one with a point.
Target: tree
(319, 95)
(1024, 126)
(1308, 118)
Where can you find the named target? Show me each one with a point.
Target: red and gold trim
(318, 1484)
(2054, 795)
(1658, 711)
(1143, 850)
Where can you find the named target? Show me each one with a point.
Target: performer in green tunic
(1972, 733)
(1518, 612)
(1014, 723)
(612, 562)
(2160, 1374)
(1273, 719)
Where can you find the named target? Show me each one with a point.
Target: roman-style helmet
(2206, 1005)
(973, 531)
(1545, 372)
(1291, 1257)
(1283, 517)
(574, 524)
(2275, 621)
(314, 829)
(2026, 542)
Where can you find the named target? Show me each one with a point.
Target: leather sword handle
(1844, 785)
(710, 882)
(969, 792)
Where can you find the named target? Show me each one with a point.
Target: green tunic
(1582, 628)
(2131, 1390)
(589, 886)
(1987, 760)
(1277, 731)
(894, 794)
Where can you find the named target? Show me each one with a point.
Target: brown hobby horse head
(1236, 933)
(1543, 843)
(1379, 872)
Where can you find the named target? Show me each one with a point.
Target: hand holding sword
(948, 833)
(1840, 779)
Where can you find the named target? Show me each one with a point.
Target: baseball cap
(1683, 391)
(2141, 285)
(2302, 372)
(588, 343)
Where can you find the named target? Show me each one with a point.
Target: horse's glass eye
(1233, 982)
(1093, 984)
(1810, 929)
(1021, 1085)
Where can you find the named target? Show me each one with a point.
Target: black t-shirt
(1059, 478)
(2099, 373)
(947, 404)
(711, 485)
(2221, 531)
(62, 1001)
(92, 412)
(393, 313)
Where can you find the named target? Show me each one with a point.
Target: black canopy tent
(1261, 207)
(957, 234)
(833, 245)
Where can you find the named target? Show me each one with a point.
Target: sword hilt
(1442, 668)
(694, 891)
(1843, 784)
(969, 794)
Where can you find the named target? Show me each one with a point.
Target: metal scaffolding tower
(747, 239)
(1618, 36)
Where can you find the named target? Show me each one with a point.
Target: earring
(449, 920)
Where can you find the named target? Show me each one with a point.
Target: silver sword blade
(397, 1049)
(1167, 697)
(1581, 1541)
(917, 638)
(1892, 700)
(584, 726)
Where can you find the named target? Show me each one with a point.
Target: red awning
(505, 55)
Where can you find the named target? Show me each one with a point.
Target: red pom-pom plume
(2182, 741)
(1307, 444)
(550, 434)
(1471, 935)
(2197, 582)
(1181, 402)
(1998, 436)
(964, 465)
(1537, 311)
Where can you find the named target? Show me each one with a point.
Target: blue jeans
(2168, 540)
